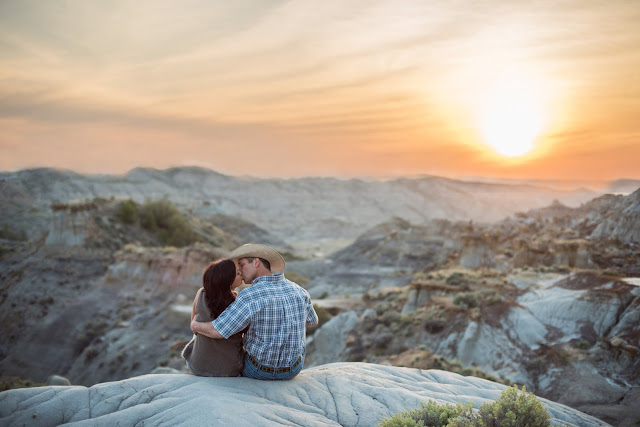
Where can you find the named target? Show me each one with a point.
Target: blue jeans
(252, 371)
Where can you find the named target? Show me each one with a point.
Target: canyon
(512, 283)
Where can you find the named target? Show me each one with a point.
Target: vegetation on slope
(516, 408)
(160, 222)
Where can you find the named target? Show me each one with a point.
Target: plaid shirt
(276, 310)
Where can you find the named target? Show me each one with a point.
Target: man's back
(276, 311)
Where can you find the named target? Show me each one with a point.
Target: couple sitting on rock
(257, 333)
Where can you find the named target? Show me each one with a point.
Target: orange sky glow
(542, 90)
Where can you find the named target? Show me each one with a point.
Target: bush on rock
(516, 408)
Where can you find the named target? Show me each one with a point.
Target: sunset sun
(511, 119)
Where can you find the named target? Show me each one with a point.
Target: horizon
(556, 184)
(383, 90)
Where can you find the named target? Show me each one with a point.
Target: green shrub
(457, 279)
(390, 317)
(5, 250)
(9, 383)
(382, 307)
(156, 214)
(6, 233)
(516, 408)
(178, 232)
(128, 212)
(491, 297)
(582, 344)
(466, 300)
(469, 300)
(611, 272)
(163, 218)
(148, 220)
(431, 414)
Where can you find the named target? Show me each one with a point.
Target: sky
(546, 89)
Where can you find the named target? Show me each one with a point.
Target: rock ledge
(349, 394)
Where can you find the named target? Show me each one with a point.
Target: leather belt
(270, 370)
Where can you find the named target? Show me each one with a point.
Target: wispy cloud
(346, 80)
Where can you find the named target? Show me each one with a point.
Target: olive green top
(214, 357)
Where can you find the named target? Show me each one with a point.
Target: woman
(210, 357)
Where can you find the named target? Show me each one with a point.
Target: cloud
(350, 86)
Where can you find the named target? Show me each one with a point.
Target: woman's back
(213, 357)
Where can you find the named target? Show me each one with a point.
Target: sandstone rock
(576, 300)
(623, 221)
(70, 229)
(626, 414)
(349, 394)
(58, 380)
(477, 252)
(330, 341)
(593, 385)
(368, 314)
(413, 301)
(422, 291)
(625, 353)
(165, 370)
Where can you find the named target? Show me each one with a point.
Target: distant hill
(291, 209)
(624, 186)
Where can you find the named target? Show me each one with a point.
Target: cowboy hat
(251, 250)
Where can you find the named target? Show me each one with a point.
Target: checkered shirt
(276, 310)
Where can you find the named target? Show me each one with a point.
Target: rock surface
(571, 338)
(624, 220)
(330, 341)
(350, 394)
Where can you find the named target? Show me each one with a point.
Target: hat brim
(251, 250)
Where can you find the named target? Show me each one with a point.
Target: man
(275, 309)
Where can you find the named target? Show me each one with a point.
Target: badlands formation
(339, 394)
(511, 287)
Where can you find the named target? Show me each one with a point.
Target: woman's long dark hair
(217, 280)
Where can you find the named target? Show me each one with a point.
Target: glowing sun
(512, 119)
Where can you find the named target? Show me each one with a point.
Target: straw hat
(251, 250)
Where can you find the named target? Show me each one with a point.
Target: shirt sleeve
(234, 318)
(312, 317)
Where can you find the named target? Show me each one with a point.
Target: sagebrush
(515, 408)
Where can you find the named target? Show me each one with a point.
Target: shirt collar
(268, 278)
